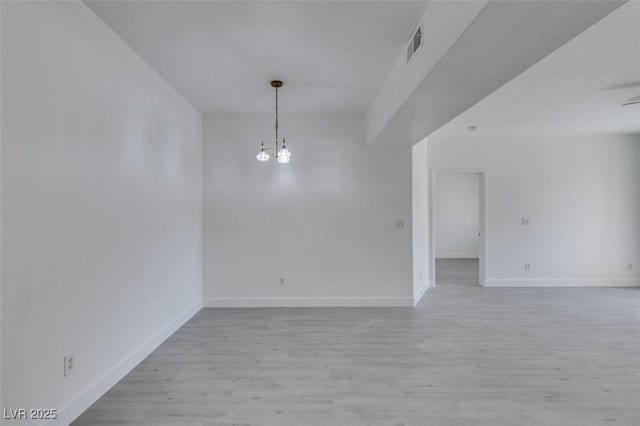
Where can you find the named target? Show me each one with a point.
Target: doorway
(458, 227)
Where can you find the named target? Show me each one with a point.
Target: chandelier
(283, 155)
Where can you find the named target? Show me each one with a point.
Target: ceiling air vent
(414, 43)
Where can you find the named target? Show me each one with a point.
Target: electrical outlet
(282, 281)
(525, 221)
(69, 364)
(400, 224)
(527, 266)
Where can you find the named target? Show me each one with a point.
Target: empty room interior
(314, 213)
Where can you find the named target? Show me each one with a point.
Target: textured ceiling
(504, 40)
(220, 55)
(334, 57)
(578, 89)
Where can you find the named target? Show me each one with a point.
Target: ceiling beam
(505, 39)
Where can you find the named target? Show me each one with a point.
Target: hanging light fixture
(282, 155)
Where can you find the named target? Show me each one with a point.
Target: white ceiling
(505, 39)
(333, 56)
(578, 89)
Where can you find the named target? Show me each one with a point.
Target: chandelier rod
(276, 151)
(282, 155)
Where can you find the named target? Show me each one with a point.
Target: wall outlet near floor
(525, 221)
(527, 266)
(400, 224)
(282, 281)
(69, 364)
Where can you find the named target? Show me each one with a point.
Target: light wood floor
(466, 355)
(459, 272)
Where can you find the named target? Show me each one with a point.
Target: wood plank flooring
(466, 355)
(461, 272)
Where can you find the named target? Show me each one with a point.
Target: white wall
(636, 266)
(457, 215)
(326, 222)
(579, 194)
(101, 207)
(1, 133)
(421, 218)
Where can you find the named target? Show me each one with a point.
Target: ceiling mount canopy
(282, 155)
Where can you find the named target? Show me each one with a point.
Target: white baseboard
(418, 294)
(290, 302)
(458, 256)
(91, 394)
(562, 282)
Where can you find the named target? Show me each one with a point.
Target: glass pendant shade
(262, 156)
(284, 156)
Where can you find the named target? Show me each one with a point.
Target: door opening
(458, 227)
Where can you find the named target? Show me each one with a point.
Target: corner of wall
(417, 296)
(159, 286)
(93, 392)
(637, 143)
(420, 219)
(1, 406)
